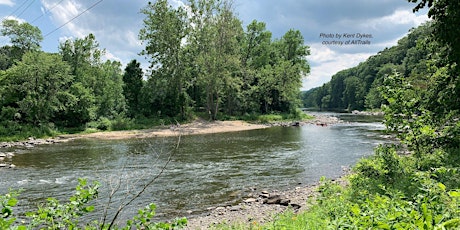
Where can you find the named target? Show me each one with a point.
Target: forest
(202, 61)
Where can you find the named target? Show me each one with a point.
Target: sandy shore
(195, 127)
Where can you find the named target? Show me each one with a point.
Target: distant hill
(357, 88)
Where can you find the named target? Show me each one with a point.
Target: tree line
(201, 60)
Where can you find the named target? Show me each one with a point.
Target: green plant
(54, 215)
(7, 202)
(68, 215)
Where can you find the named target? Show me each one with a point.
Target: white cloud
(399, 17)
(177, 3)
(7, 2)
(325, 62)
(109, 56)
(64, 13)
(20, 20)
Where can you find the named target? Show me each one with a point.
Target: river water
(205, 171)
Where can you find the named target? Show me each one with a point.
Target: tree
(353, 93)
(108, 90)
(164, 33)
(440, 97)
(445, 14)
(22, 35)
(288, 65)
(256, 45)
(214, 41)
(99, 84)
(23, 38)
(133, 82)
(38, 87)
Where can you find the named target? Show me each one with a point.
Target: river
(205, 171)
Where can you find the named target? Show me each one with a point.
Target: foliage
(36, 89)
(23, 35)
(71, 215)
(7, 202)
(132, 85)
(204, 59)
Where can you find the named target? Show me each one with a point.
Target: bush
(121, 123)
(56, 215)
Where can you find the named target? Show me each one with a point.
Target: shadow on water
(206, 170)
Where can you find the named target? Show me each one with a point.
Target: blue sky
(116, 24)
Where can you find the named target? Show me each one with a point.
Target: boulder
(285, 202)
(273, 199)
(264, 194)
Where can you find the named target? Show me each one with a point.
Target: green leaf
(12, 202)
(454, 193)
(89, 209)
(451, 223)
(442, 186)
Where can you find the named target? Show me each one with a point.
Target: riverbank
(260, 207)
(198, 126)
(195, 127)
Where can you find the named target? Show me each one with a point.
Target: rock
(235, 208)
(264, 194)
(220, 209)
(3, 165)
(273, 199)
(12, 166)
(2, 158)
(295, 206)
(2, 155)
(250, 200)
(285, 202)
(189, 212)
(9, 155)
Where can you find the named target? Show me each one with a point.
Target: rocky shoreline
(9, 149)
(258, 208)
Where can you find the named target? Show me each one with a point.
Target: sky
(340, 33)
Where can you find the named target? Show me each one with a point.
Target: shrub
(56, 215)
